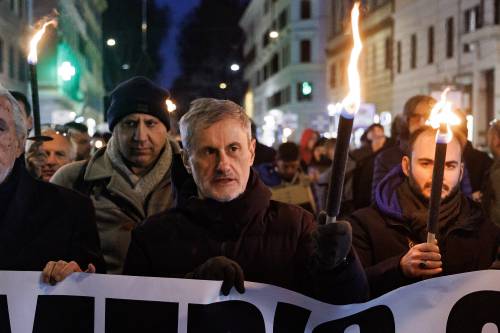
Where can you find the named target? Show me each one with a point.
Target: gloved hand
(496, 263)
(332, 243)
(221, 268)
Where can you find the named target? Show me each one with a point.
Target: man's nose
(140, 133)
(223, 162)
(51, 159)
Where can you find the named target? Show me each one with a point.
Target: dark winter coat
(478, 164)
(381, 236)
(271, 241)
(43, 222)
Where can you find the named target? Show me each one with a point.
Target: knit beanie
(138, 95)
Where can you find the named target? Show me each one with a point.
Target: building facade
(285, 74)
(70, 62)
(13, 42)
(453, 43)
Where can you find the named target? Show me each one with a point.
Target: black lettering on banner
(228, 316)
(4, 315)
(373, 320)
(64, 314)
(125, 315)
(473, 311)
(290, 318)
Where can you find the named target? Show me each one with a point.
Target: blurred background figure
(286, 178)
(45, 158)
(491, 201)
(263, 153)
(364, 161)
(22, 100)
(307, 142)
(79, 135)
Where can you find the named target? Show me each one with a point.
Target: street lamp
(235, 67)
(223, 85)
(111, 42)
(274, 34)
(171, 107)
(66, 71)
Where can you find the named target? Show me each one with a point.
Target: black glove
(496, 263)
(221, 268)
(332, 243)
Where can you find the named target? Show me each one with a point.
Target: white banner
(462, 303)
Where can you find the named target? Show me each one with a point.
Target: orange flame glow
(352, 101)
(33, 54)
(442, 114)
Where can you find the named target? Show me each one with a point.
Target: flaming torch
(32, 61)
(441, 118)
(350, 105)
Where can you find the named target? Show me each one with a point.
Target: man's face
(375, 134)
(287, 169)
(141, 139)
(419, 116)
(419, 167)
(57, 152)
(82, 143)
(220, 160)
(10, 145)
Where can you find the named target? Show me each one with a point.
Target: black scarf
(8, 187)
(415, 210)
(225, 220)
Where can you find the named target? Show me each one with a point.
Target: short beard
(419, 192)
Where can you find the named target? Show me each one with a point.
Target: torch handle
(436, 189)
(35, 100)
(338, 167)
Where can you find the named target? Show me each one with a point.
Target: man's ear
(21, 142)
(185, 160)
(405, 165)
(253, 143)
(461, 172)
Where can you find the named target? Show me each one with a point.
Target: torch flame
(442, 114)
(352, 101)
(33, 56)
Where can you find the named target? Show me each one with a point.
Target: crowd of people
(219, 205)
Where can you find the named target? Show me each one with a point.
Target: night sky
(179, 9)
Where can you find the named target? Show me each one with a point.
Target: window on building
(267, 5)
(304, 91)
(398, 58)
(275, 64)
(285, 56)
(374, 59)
(20, 8)
(12, 63)
(449, 37)
(333, 75)
(1, 55)
(497, 11)
(12, 5)
(305, 9)
(388, 53)
(305, 50)
(21, 67)
(430, 45)
(283, 19)
(413, 52)
(265, 39)
(473, 19)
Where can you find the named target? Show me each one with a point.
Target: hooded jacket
(122, 200)
(383, 234)
(270, 240)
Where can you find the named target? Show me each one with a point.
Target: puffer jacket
(270, 240)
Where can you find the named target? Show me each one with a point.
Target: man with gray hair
(40, 222)
(226, 227)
